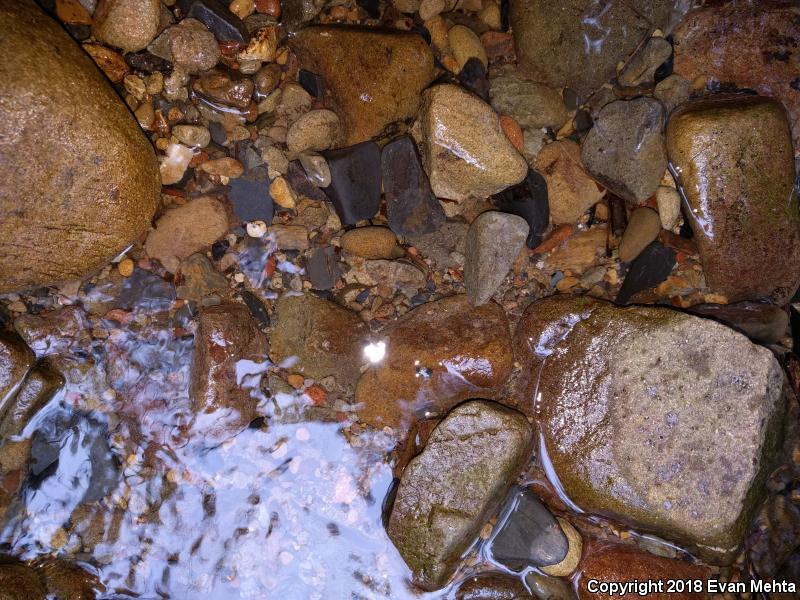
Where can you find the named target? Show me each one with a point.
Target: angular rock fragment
(15, 362)
(671, 437)
(651, 267)
(448, 492)
(528, 200)
(355, 188)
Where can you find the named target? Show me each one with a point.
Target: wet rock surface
(437, 355)
(15, 361)
(81, 180)
(571, 192)
(740, 194)
(492, 586)
(647, 445)
(355, 188)
(392, 70)
(464, 150)
(228, 348)
(447, 492)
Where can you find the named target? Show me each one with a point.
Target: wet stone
(225, 87)
(189, 45)
(625, 149)
(672, 91)
(761, 322)
(20, 582)
(323, 269)
(492, 586)
(39, 387)
(734, 160)
(250, 197)
(311, 82)
(532, 105)
(473, 77)
(545, 587)
(15, 361)
(144, 291)
(355, 188)
(68, 581)
(318, 338)
(215, 15)
(256, 308)
(439, 354)
(448, 491)
(643, 227)
(200, 279)
(651, 267)
(126, 24)
(494, 240)
(642, 66)
(411, 207)
(441, 246)
(641, 427)
(228, 350)
(303, 184)
(529, 201)
(372, 242)
(571, 192)
(529, 535)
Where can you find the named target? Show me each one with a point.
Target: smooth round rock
(573, 557)
(372, 242)
(126, 24)
(465, 44)
(80, 180)
(643, 227)
(315, 130)
(194, 136)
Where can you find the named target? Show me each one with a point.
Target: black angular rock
(650, 268)
(528, 200)
(215, 15)
(411, 207)
(530, 536)
(250, 197)
(146, 62)
(371, 7)
(355, 188)
(311, 82)
(473, 77)
(323, 268)
(256, 307)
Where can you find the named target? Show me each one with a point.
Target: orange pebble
(513, 132)
(317, 395)
(295, 380)
(269, 7)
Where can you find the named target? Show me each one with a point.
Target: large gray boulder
(653, 417)
(80, 180)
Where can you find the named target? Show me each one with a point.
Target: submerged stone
(734, 161)
(448, 492)
(492, 586)
(764, 323)
(250, 198)
(80, 180)
(15, 361)
(651, 267)
(389, 71)
(229, 349)
(672, 438)
(38, 388)
(528, 200)
(529, 535)
(20, 582)
(437, 355)
(355, 188)
(411, 207)
(215, 15)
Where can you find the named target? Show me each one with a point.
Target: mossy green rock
(80, 180)
(653, 417)
(735, 165)
(451, 489)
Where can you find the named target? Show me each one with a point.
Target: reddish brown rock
(750, 44)
(228, 349)
(437, 355)
(735, 162)
(372, 78)
(617, 563)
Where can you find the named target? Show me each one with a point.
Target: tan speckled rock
(372, 78)
(126, 24)
(438, 354)
(643, 227)
(182, 231)
(653, 417)
(450, 490)
(735, 163)
(80, 180)
(372, 242)
(464, 150)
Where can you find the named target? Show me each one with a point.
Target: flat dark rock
(215, 15)
(355, 188)
(529, 201)
(302, 184)
(529, 536)
(649, 269)
(761, 322)
(410, 204)
(251, 200)
(322, 268)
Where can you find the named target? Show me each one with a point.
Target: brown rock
(570, 191)
(15, 361)
(643, 227)
(224, 399)
(110, 62)
(290, 237)
(182, 231)
(735, 162)
(39, 387)
(67, 581)
(372, 242)
(492, 586)
(372, 78)
(752, 45)
(126, 24)
(437, 355)
(579, 252)
(614, 562)
(20, 582)
(80, 180)
(318, 339)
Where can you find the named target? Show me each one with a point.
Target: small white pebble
(256, 229)
(238, 277)
(302, 434)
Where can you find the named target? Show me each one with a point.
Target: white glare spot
(375, 351)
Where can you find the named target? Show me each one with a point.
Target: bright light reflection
(375, 351)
